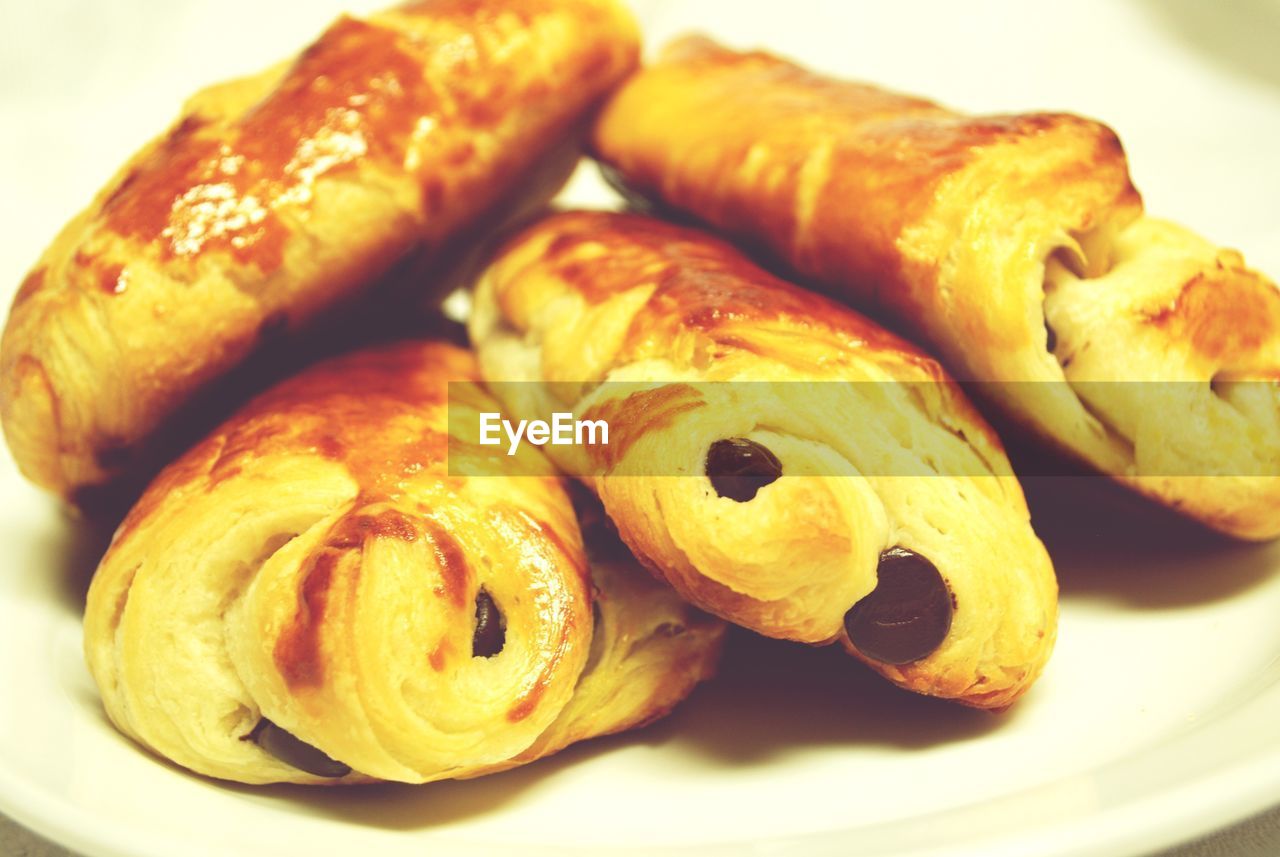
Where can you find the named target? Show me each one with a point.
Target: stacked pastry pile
(313, 593)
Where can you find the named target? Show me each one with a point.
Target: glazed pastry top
(277, 196)
(309, 596)
(813, 449)
(1014, 245)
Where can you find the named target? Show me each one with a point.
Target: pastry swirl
(307, 596)
(786, 520)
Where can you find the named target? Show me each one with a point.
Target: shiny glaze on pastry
(277, 196)
(1014, 245)
(308, 596)
(773, 524)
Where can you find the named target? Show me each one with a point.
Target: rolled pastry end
(308, 596)
(1172, 345)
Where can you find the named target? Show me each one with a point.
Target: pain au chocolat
(777, 458)
(308, 596)
(1015, 245)
(275, 196)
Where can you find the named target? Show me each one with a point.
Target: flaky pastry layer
(311, 573)
(580, 301)
(278, 196)
(1015, 245)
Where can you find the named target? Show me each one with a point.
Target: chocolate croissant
(307, 596)
(1016, 246)
(276, 196)
(834, 484)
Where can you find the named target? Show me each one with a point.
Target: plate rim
(1158, 819)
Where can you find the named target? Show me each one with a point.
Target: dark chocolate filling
(738, 468)
(491, 628)
(907, 616)
(292, 751)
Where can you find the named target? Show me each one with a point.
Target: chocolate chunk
(292, 751)
(907, 616)
(738, 468)
(1051, 337)
(491, 628)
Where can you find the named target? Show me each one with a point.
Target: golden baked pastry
(850, 492)
(308, 596)
(275, 196)
(1016, 246)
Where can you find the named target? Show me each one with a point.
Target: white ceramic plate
(1159, 716)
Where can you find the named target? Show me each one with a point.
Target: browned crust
(581, 297)
(380, 415)
(943, 222)
(280, 195)
(337, 411)
(705, 286)
(888, 156)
